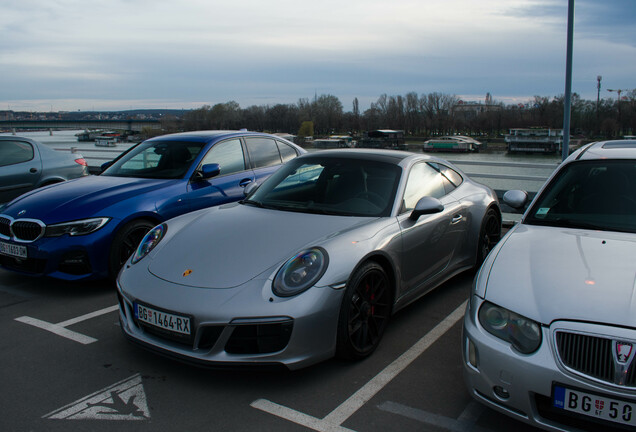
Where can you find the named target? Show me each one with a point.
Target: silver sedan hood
(224, 247)
(548, 274)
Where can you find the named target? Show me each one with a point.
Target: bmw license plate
(12, 250)
(593, 405)
(164, 320)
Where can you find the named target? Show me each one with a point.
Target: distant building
(6, 115)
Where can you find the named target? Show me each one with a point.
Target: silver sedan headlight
(522, 333)
(300, 272)
(76, 228)
(148, 243)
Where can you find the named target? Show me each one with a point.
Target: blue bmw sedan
(86, 228)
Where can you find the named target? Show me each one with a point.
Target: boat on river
(451, 143)
(534, 140)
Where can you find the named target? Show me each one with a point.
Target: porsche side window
(423, 181)
(13, 152)
(228, 154)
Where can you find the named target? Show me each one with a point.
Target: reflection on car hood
(80, 198)
(549, 274)
(227, 246)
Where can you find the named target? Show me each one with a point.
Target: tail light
(81, 161)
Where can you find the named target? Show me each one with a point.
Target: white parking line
(334, 420)
(60, 328)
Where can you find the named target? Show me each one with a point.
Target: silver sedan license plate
(164, 320)
(593, 405)
(12, 250)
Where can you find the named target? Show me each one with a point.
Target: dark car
(26, 164)
(86, 228)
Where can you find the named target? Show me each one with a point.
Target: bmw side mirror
(209, 170)
(105, 165)
(516, 198)
(426, 205)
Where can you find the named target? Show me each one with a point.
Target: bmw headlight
(522, 333)
(76, 228)
(300, 272)
(149, 242)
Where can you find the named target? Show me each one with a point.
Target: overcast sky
(126, 54)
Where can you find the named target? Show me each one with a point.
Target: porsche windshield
(157, 160)
(346, 187)
(598, 194)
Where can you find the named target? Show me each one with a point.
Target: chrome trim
(13, 221)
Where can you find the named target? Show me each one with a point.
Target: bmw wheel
(125, 242)
(365, 312)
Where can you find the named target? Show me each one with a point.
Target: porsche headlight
(522, 333)
(76, 228)
(149, 242)
(300, 272)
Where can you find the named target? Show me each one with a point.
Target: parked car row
(217, 266)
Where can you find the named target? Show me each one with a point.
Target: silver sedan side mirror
(516, 198)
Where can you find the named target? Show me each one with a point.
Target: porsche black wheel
(489, 235)
(365, 312)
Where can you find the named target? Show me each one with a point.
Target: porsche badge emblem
(188, 272)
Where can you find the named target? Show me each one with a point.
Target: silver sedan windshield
(599, 194)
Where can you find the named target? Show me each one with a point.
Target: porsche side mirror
(426, 205)
(516, 198)
(251, 187)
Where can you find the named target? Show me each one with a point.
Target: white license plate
(593, 405)
(164, 320)
(13, 250)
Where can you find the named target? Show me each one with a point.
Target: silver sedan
(550, 331)
(311, 264)
(26, 164)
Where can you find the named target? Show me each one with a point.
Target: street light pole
(567, 108)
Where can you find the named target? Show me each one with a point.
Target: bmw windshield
(333, 186)
(598, 195)
(156, 160)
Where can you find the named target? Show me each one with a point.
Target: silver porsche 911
(550, 331)
(311, 264)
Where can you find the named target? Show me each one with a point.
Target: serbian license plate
(593, 405)
(164, 320)
(12, 250)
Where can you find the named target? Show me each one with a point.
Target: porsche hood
(548, 274)
(226, 246)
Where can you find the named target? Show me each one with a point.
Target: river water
(516, 165)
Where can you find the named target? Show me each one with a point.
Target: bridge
(124, 125)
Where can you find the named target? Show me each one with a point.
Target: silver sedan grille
(593, 357)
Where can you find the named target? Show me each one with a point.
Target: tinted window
(13, 152)
(423, 181)
(450, 177)
(263, 152)
(228, 154)
(287, 152)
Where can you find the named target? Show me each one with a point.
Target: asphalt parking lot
(67, 367)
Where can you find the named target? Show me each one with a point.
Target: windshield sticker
(542, 212)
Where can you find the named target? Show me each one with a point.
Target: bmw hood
(548, 274)
(82, 197)
(226, 246)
